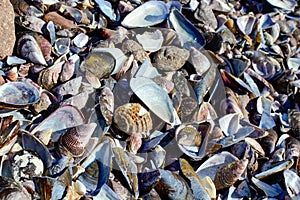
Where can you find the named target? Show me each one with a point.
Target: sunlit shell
(292, 183)
(132, 118)
(200, 62)
(74, 141)
(246, 23)
(187, 32)
(229, 174)
(29, 49)
(148, 14)
(134, 142)
(133, 47)
(151, 41)
(18, 95)
(161, 106)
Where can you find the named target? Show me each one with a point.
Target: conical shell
(74, 141)
(226, 176)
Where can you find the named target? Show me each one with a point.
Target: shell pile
(130, 99)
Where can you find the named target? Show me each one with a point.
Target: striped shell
(132, 118)
(74, 141)
(226, 176)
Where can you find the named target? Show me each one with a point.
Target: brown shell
(294, 120)
(226, 176)
(74, 141)
(132, 118)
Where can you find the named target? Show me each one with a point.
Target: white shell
(155, 98)
(151, 41)
(148, 14)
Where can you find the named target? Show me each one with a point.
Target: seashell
(226, 176)
(74, 141)
(211, 165)
(45, 101)
(44, 183)
(62, 46)
(68, 68)
(59, 20)
(269, 190)
(278, 168)
(106, 102)
(104, 61)
(202, 86)
(283, 4)
(188, 106)
(16, 95)
(26, 165)
(132, 118)
(134, 142)
(12, 74)
(46, 48)
(192, 138)
(292, 183)
(9, 133)
(197, 186)
(28, 48)
(161, 106)
(49, 77)
(147, 181)
(150, 40)
(170, 58)
(294, 121)
(69, 88)
(205, 15)
(10, 189)
(148, 14)
(180, 83)
(186, 31)
(97, 167)
(246, 23)
(106, 8)
(230, 123)
(81, 40)
(66, 116)
(172, 186)
(133, 47)
(200, 62)
(128, 168)
(164, 83)
(14, 60)
(33, 144)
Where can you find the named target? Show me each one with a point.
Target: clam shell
(132, 118)
(29, 49)
(161, 105)
(148, 14)
(16, 95)
(226, 176)
(74, 141)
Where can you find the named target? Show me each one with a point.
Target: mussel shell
(12, 190)
(148, 14)
(16, 95)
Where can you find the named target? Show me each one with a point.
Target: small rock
(7, 28)
(170, 58)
